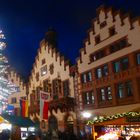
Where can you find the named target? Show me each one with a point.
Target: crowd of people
(54, 135)
(50, 135)
(5, 135)
(58, 135)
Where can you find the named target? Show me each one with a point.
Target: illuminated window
(99, 73)
(105, 70)
(102, 71)
(86, 77)
(88, 97)
(120, 90)
(89, 76)
(104, 93)
(44, 70)
(109, 95)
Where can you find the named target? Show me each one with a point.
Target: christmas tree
(6, 87)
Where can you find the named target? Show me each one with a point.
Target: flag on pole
(44, 105)
(24, 108)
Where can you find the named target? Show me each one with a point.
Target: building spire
(51, 37)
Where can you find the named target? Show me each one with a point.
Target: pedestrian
(5, 135)
(33, 137)
(72, 136)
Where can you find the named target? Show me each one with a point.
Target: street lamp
(86, 115)
(87, 129)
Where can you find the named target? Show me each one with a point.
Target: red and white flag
(44, 104)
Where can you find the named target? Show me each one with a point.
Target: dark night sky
(24, 23)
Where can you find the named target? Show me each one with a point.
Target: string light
(108, 118)
(5, 86)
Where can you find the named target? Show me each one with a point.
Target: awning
(19, 121)
(2, 119)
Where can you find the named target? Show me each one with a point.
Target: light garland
(108, 118)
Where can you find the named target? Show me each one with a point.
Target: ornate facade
(51, 73)
(109, 65)
(104, 81)
(20, 91)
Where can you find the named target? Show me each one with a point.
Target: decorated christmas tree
(6, 87)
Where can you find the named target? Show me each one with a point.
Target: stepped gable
(15, 78)
(49, 45)
(106, 17)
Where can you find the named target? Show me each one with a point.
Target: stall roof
(18, 120)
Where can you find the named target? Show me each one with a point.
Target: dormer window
(37, 76)
(103, 24)
(97, 55)
(97, 39)
(51, 69)
(112, 31)
(43, 61)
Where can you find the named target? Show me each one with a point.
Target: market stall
(4, 124)
(20, 127)
(115, 126)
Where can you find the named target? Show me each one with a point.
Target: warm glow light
(23, 129)
(86, 114)
(5, 126)
(31, 129)
(109, 136)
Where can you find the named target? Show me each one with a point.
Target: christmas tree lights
(6, 87)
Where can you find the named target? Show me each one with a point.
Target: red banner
(45, 110)
(44, 104)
